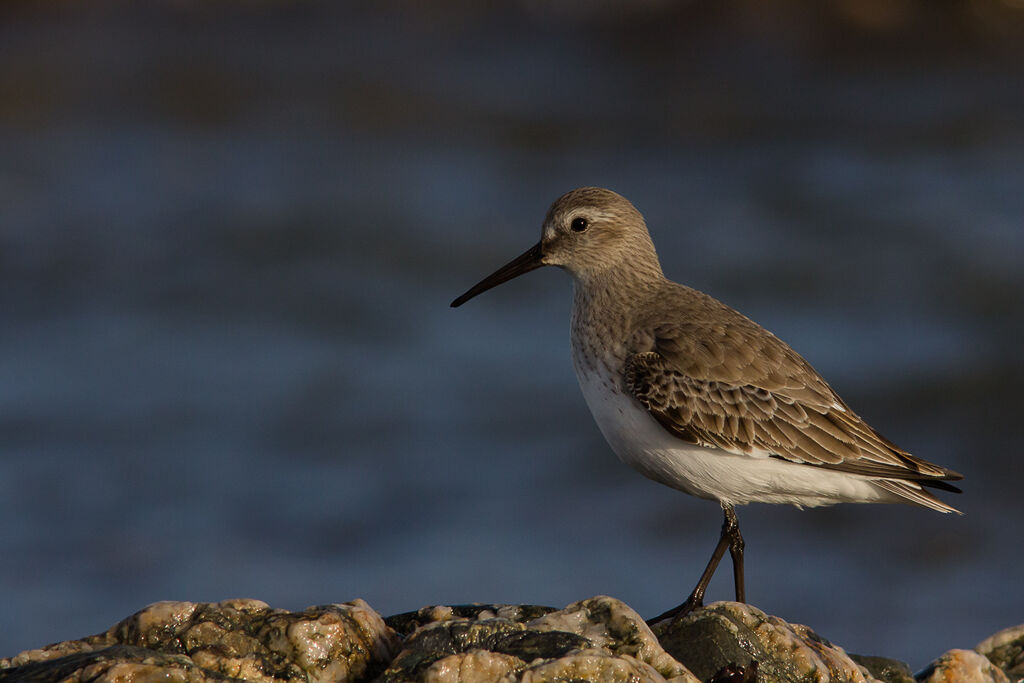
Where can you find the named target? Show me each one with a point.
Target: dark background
(229, 234)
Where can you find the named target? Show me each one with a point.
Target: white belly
(712, 473)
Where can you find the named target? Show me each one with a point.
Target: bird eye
(579, 224)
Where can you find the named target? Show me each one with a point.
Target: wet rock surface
(234, 639)
(599, 639)
(731, 634)
(962, 665)
(885, 669)
(1006, 650)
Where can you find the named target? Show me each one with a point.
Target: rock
(1006, 650)
(115, 663)
(885, 669)
(595, 640)
(962, 666)
(407, 622)
(600, 639)
(235, 639)
(614, 626)
(597, 666)
(725, 634)
(475, 665)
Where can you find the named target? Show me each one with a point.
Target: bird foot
(679, 612)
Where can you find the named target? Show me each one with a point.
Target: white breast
(711, 473)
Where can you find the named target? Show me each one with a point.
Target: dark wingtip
(942, 486)
(953, 476)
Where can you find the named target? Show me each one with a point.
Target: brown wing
(745, 391)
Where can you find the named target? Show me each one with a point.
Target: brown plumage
(699, 397)
(739, 388)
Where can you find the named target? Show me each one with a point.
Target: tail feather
(913, 492)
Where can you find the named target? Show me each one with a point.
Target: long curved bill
(531, 260)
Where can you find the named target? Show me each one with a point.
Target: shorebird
(697, 396)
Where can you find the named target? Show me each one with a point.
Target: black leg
(730, 538)
(731, 528)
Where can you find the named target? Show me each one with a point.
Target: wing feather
(754, 395)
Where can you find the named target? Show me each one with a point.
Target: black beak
(531, 260)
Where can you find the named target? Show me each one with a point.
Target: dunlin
(699, 397)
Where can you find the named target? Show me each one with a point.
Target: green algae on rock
(596, 640)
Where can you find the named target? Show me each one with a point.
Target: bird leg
(731, 539)
(731, 528)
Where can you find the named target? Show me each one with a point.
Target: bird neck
(619, 284)
(605, 307)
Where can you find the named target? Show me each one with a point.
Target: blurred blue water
(228, 367)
